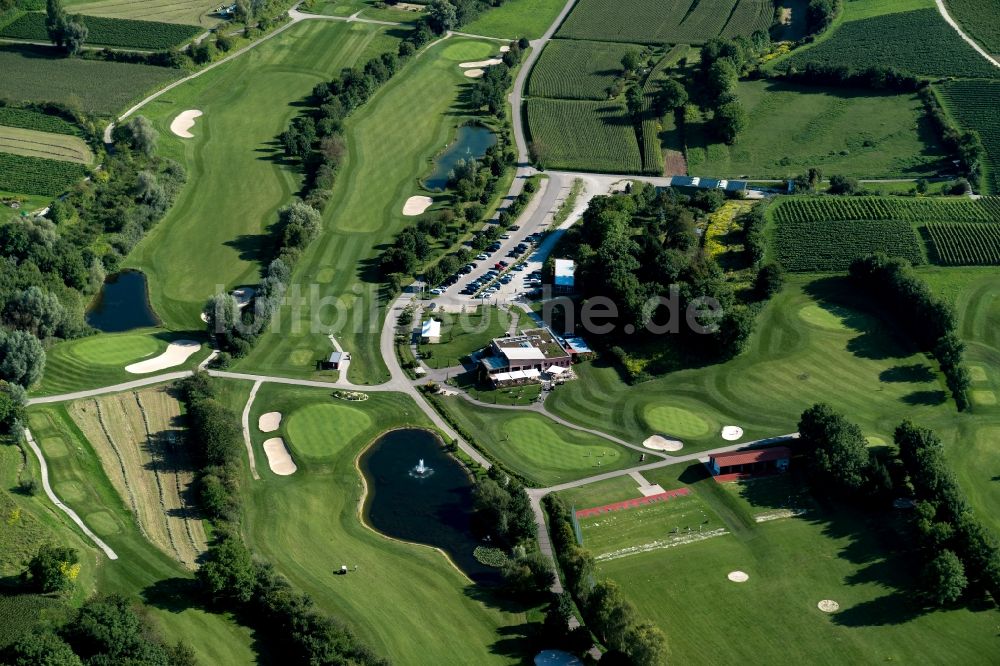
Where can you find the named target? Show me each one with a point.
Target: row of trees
(490, 90)
(608, 614)
(723, 61)
(105, 630)
(68, 33)
(959, 555)
(929, 319)
(820, 14)
(231, 577)
(966, 145)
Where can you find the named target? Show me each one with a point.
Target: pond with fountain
(419, 493)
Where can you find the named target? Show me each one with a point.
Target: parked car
(483, 257)
(437, 292)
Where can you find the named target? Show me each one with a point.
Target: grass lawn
(141, 570)
(218, 228)
(849, 132)
(792, 564)
(537, 448)
(307, 524)
(391, 143)
(100, 360)
(516, 18)
(193, 12)
(811, 344)
(465, 333)
(104, 88)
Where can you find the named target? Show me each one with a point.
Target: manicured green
(842, 131)
(583, 136)
(918, 42)
(391, 141)
(973, 105)
(219, 226)
(36, 175)
(677, 422)
(100, 360)
(465, 333)
(104, 31)
(979, 19)
(535, 447)
(104, 88)
(141, 569)
(516, 18)
(575, 69)
(307, 525)
(316, 430)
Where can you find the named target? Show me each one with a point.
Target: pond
(122, 304)
(431, 506)
(472, 142)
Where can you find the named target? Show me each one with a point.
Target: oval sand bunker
(269, 422)
(176, 353)
(738, 577)
(184, 122)
(474, 73)
(660, 443)
(732, 433)
(828, 606)
(278, 459)
(416, 205)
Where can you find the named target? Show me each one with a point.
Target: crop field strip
(577, 69)
(966, 244)
(104, 31)
(35, 175)
(192, 12)
(35, 120)
(975, 105)
(651, 148)
(831, 245)
(32, 143)
(99, 87)
(918, 42)
(818, 209)
(666, 21)
(980, 19)
(141, 447)
(579, 135)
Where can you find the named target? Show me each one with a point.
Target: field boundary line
(55, 500)
(973, 43)
(246, 429)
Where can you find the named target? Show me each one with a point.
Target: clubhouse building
(524, 358)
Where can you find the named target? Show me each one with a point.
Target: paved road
(245, 420)
(62, 507)
(979, 49)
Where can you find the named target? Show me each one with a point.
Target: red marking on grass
(632, 503)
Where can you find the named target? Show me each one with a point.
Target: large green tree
(53, 569)
(22, 358)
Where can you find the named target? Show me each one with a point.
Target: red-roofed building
(739, 464)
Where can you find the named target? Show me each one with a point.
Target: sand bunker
(732, 433)
(269, 422)
(184, 122)
(658, 443)
(481, 63)
(474, 73)
(828, 606)
(417, 205)
(738, 577)
(277, 457)
(177, 352)
(504, 49)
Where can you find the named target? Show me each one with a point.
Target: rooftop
(752, 456)
(535, 343)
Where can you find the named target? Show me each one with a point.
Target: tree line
(959, 557)
(50, 267)
(606, 611)
(929, 320)
(233, 579)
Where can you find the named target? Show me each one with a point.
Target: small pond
(472, 142)
(431, 506)
(122, 304)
